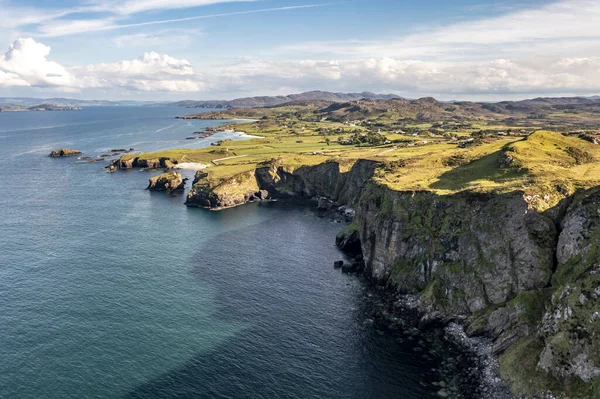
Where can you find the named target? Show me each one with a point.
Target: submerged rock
(64, 152)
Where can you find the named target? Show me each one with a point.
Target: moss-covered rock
(348, 240)
(64, 152)
(171, 181)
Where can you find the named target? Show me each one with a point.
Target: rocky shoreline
(473, 373)
(515, 289)
(529, 288)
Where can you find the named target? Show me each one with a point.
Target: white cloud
(423, 77)
(14, 17)
(11, 79)
(151, 72)
(135, 6)
(173, 38)
(104, 15)
(69, 27)
(25, 63)
(566, 26)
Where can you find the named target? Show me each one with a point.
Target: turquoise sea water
(110, 291)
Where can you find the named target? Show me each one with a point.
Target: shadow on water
(305, 335)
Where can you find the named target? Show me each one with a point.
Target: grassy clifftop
(545, 165)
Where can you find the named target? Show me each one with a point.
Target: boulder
(338, 264)
(324, 204)
(348, 240)
(262, 194)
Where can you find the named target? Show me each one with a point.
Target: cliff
(527, 280)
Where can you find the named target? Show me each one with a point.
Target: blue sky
(203, 49)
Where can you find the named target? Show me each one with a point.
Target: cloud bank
(27, 63)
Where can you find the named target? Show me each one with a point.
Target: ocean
(108, 290)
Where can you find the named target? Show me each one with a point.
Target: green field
(443, 157)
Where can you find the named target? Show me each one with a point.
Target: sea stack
(170, 181)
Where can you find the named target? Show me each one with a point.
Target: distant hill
(52, 107)
(560, 112)
(65, 102)
(271, 101)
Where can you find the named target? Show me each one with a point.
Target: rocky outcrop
(64, 152)
(130, 162)
(225, 193)
(171, 181)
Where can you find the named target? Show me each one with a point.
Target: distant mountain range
(271, 101)
(568, 113)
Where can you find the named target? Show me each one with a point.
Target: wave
(34, 128)
(45, 149)
(164, 128)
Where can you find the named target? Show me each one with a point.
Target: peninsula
(40, 107)
(482, 214)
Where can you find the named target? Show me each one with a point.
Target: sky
(167, 50)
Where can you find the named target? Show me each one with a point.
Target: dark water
(108, 290)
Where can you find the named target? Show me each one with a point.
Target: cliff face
(323, 180)
(528, 281)
(465, 252)
(137, 162)
(571, 323)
